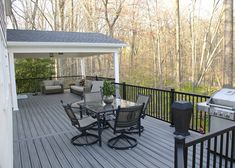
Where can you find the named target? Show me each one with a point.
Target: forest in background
(149, 29)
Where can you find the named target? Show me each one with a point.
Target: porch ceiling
(42, 44)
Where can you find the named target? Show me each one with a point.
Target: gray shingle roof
(58, 36)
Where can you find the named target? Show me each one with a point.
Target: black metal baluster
(221, 150)
(232, 148)
(215, 149)
(201, 154)
(158, 105)
(168, 107)
(196, 121)
(161, 105)
(164, 106)
(208, 153)
(194, 156)
(226, 149)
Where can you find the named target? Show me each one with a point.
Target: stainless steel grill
(221, 104)
(221, 109)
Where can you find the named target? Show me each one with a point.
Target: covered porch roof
(46, 44)
(31, 43)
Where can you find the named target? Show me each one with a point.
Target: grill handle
(220, 106)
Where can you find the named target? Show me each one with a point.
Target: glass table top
(100, 106)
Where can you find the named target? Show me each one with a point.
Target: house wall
(6, 131)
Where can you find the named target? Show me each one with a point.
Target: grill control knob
(227, 116)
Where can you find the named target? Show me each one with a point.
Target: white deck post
(116, 71)
(13, 82)
(83, 70)
(116, 67)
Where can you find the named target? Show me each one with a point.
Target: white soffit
(41, 43)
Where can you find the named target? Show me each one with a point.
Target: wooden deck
(42, 135)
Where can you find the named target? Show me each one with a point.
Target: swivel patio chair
(140, 100)
(88, 97)
(96, 86)
(95, 97)
(83, 124)
(125, 118)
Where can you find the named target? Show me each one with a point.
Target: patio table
(100, 109)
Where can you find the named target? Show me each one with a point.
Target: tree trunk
(228, 43)
(178, 51)
(61, 10)
(34, 14)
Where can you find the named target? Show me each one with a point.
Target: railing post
(124, 90)
(172, 99)
(180, 153)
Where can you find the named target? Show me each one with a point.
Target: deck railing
(211, 150)
(159, 107)
(161, 100)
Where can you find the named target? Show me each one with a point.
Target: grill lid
(224, 97)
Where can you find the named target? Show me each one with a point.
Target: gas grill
(221, 104)
(221, 109)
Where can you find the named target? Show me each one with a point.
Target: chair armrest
(62, 87)
(42, 88)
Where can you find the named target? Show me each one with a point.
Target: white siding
(6, 131)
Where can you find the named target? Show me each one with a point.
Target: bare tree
(35, 8)
(228, 43)
(61, 13)
(178, 48)
(111, 22)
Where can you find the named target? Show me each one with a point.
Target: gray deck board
(42, 134)
(35, 162)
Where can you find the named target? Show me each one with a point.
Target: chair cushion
(48, 82)
(77, 88)
(52, 87)
(84, 122)
(56, 82)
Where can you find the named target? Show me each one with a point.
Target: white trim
(116, 67)
(13, 82)
(57, 49)
(63, 44)
(83, 69)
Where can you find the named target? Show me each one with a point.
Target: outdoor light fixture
(51, 55)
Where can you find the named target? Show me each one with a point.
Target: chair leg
(118, 142)
(85, 135)
(135, 130)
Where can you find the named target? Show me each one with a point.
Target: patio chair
(83, 124)
(89, 87)
(96, 86)
(140, 100)
(95, 97)
(125, 118)
(92, 97)
(88, 97)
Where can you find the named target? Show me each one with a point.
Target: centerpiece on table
(108, 91)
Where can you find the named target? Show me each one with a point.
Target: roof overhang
(55, 47)
(37, 44)
(59, 49)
